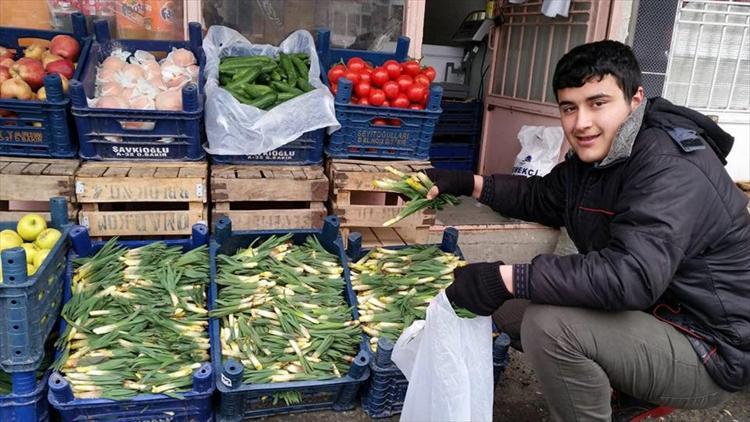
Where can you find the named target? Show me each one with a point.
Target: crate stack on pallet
(364, 208)
(455, 143)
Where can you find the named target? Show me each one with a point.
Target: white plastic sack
(540, 149)
(448, 362)
(234, 128)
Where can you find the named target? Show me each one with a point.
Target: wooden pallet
(26, 184)
(269, 197)
(359, 204)
(388, 236)
(142, 198)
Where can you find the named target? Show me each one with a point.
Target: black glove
(454, 182)
(478, 288)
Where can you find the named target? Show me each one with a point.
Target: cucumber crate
(303, 151)
(128, 134)
(194, 405)
(34, 128)
(238, 399)
(377, 132)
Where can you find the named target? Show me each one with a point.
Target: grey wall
(442, 18)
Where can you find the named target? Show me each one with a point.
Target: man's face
(592, 114)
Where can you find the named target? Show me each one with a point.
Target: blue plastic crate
(305, 150)
(26, 406)
(42, 128)
(30, 305)
(406, 134)
(196, 404)
(120, 134)
(460, 117)
(238, 400)
(453, 156)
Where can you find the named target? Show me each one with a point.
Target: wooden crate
(269, 197)
(142, 198)
(359, 204)
(388, 236)
(26, 184)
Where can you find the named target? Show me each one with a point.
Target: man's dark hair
(595, 60)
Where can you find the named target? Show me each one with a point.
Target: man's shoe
(630, 409)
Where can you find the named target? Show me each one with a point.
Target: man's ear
(637, 99)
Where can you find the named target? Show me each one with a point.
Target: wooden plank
(90, 171)
(375, 216)
(192, 172)
(116, 172)
(142, 172)
(358, 180)
(127, 223)
(35, 168)
(129, 189)
(14, 168)
(413, 235)
(343, 198)
(62, 168)
(248, 173)
(269, 190)
(223, 171)
(274, 219)
(167, 172)
(16, 215)
(388, 236)
(35, 187)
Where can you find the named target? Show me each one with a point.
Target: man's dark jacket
(659, 226)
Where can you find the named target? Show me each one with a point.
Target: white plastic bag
(448, 362)
(540, 149)
(234, 128)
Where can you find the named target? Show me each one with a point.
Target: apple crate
(33, 128)
(30, 304)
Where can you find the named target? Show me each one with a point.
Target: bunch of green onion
(137, 321)
(414, 186)
(395, 286)
(283, 313)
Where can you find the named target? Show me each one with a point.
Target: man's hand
(454, 182)
(479, 288)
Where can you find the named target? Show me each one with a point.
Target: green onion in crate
(414, 186)
(137, 321)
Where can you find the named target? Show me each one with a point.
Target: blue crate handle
(14, 266)
(9, 39)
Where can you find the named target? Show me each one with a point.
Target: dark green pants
(580, 355)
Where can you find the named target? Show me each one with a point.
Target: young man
(657, 303)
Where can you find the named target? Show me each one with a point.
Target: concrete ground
(485, 236)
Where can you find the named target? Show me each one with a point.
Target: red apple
(65, 46)
(48, 58)
(6, 52)
(34, 51)
(29, 70)
(16, 88)
(7, 62)
(4, 74)
(62, 67)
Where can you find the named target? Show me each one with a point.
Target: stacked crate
(457, 134)
(142, 198)
(26, 184)
(364, 208)
(269, 197)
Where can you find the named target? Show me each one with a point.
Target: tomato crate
(303, 151)
(127, 134)
(30, 304)
(377, 132)
(33, 128)
(27, 401)
(195, 405)
(238, 400)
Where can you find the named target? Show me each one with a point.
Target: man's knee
(545, 324)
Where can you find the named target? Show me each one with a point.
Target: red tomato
(391, 89)
(386, 103)
(379, 76)
(394, 69)
(362, 90)
(416, 106)
(352, 76)
(335, 73)
(422, 80)
(354, 100)
(416, 93)
(424, 99)
(404, 83)
(334, 89)
(429, 71)
(402, 101)
(363, 101)
(411, 68)
(394, 122)
(379, 122)
(377, 97)
(365, 76)
(356, 64)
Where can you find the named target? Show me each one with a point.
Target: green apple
(30, 225)
(30, 269)
(31, 250)
(40, 257)
(47, 238)
(9, 239)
